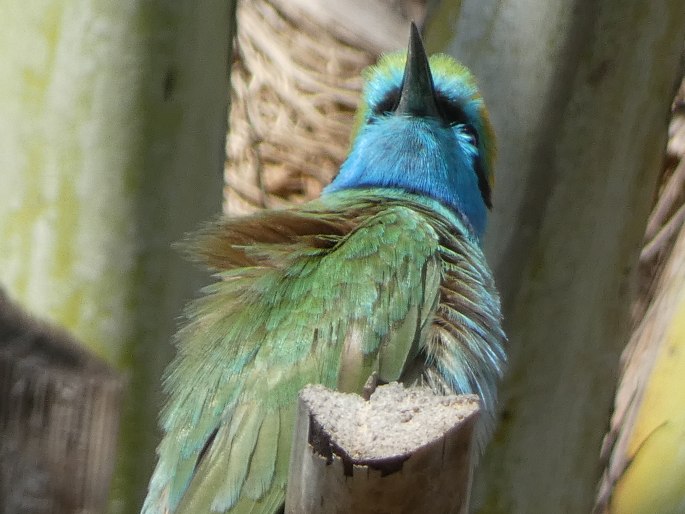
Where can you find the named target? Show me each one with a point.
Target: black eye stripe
(388, 103)
(451, 111)
(483, 184)
(454, 115)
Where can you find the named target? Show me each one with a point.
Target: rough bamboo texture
(59, 419)
(644, 471)
(295, 84)
(405, 451)
(579, 92)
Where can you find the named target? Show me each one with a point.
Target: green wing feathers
(323, 293)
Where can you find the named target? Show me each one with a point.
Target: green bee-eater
(383, 273)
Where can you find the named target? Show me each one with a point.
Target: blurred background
(124, 125)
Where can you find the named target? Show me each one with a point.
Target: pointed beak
(417, 97)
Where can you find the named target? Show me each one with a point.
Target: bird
(382, 274)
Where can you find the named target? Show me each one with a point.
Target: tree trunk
(113, 119)
(59, 417)
(646, 471)
(579, 94)
(642, 450)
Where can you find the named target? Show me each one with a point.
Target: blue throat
(419, 155)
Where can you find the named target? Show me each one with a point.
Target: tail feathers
(245, 468)
(271, 503)
(280, 442)
(216, 485)
(243, 440)
(261, 474)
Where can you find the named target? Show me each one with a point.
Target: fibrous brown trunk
(295, 86)
(59, 419)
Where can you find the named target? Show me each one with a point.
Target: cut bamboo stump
(403, 451)
(59, 417)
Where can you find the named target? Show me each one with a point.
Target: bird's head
(422, 127)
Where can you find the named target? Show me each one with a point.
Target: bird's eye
(470, 132)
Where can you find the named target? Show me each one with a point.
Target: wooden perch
(59, 416)
(403, 451)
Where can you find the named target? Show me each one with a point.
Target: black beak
(417, 97)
